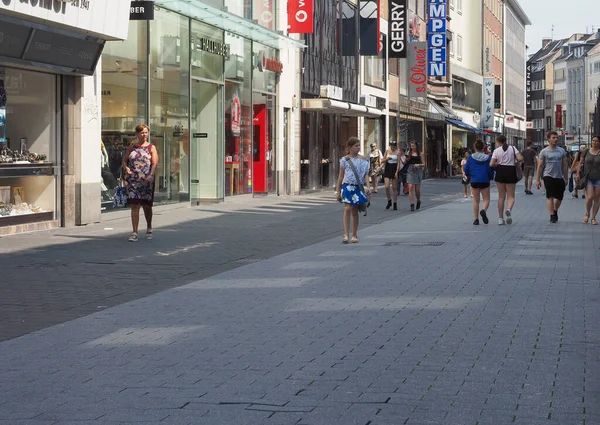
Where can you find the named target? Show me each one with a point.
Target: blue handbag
(120, 195)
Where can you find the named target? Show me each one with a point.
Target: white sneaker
(508, 217)
(501, 222)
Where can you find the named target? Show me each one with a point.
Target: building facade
(593, 88)
(50, 109)
(514, 78)
(218, 86)
(493, 54)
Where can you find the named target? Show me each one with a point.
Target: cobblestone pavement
(428, 320)
(55, 276)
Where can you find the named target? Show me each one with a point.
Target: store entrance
(206, 142)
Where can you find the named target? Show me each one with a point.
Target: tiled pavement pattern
(50, 277)
(497, 325)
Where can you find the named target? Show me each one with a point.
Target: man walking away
(553, 167)
(529, 162)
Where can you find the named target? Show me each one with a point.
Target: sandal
(586, 218)
(594, 222)
(149, 234)
(345, 239)
(133, 237)
(354, 239)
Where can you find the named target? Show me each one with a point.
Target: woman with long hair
(590, 160)
(348, 187)
(414, 174)
(375, 158)
(503, 160)
(139, 163)
(477, 169)
(390, 174)
(465, 178)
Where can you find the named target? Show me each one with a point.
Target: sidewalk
(428, 320)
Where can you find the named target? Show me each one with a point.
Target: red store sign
(270, 64)
(559, 116)
(300, 16)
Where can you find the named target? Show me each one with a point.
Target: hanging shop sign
(369, 27)
(559, 116)
(300, 16)
(417, 69)
(436, 38)
(141, 11)
(488, 104)
(262, 11)
(415, 28)
(266, 63)
(528, 86)
(398, 28)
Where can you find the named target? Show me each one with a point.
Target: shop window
(28, 146)
(170, 104)
(238, 117)
(124, 100)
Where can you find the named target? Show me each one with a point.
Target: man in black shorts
(529, 160)
(553, 166)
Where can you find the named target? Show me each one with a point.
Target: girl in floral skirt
(348, 189)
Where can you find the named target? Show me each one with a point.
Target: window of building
(459, 47)
(538, 124)
(459, 6)
(538, 85)
(548, 101)
(451, 4)
(459, 92)
(537, 104)
(452, 47)
(375, 67)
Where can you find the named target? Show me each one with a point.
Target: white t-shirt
(505, 157)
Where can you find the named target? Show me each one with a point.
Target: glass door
(207, 151)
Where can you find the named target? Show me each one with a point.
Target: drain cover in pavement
(413, 244)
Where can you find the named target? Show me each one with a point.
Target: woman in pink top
(503, 160)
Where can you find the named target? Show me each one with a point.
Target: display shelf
(12, 220)
(25, 170)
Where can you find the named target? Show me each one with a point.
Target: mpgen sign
(300, 16)
(398, 28)
(436, 38)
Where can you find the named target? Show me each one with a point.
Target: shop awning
(227, 21)
(330, 106)
(439, 108)
(464, 126)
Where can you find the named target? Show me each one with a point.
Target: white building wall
(592, 83)
(466, 26)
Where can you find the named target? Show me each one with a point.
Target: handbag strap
(516, 161)
(360, 185)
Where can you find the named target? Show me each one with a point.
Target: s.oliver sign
(417, 69)
(398, 28)
(300, 16)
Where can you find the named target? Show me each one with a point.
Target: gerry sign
(398, 28)
(436, 38)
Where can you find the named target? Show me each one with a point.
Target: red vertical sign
(300, 16)
(559, 116)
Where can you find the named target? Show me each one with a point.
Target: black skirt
(390, 170)
(506, 174)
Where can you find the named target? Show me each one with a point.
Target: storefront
(209, 95)
(48, 108)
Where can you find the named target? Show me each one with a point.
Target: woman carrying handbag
(588, 179)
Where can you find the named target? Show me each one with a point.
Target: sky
(568, 17)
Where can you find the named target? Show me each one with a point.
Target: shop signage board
(398, 28)
(559, 116)
(528, 86)
(300, 16)
(487, 115)
(369, 27)
(417, 69)
(436, 37)
(106, 19)
(141, 11)
(266, 63)
(497, 96)
(262, 12)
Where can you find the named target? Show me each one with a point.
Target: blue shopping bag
(120, 196)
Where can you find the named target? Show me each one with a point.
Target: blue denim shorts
(594, 183)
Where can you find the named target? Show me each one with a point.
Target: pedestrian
(529, 163)
(574, 170)
(480, 173)
(402, 169)
(466, 180)
(444, 163)
(375, 158)
(348, 186)
(139, 163)
(590, 161)
(553, 169)
(390, 174)
(503, 160)
(414, 174)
